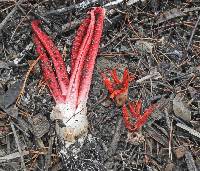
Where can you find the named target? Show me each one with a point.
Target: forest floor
(159, 43)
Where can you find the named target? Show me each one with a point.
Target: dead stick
(48, 156)
(18, 146)
(116, 138)
(81, 5)
(193, 31)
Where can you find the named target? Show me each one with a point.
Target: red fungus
(89, 62)
(48, 73)
(118, 89)
(71, 93)
(135, 110)
(54, 53)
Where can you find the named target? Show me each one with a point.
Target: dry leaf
(180, 108)
(4, 65)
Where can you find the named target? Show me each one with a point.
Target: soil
(159, 44)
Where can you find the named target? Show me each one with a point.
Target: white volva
(75, 122)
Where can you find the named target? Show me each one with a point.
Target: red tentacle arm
(54, 53)
(143, 118)
(107, 83)
(126, 118)
(126, 78)
(73, 90)
(115, 77)
(81, 32)
(87, 72)
(135, 110)
(48, 72)
(138, 106)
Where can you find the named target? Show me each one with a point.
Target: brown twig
(25, 79)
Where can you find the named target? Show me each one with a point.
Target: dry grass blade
(188, 129)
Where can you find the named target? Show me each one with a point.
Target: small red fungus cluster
(135, 111)
(118, 90)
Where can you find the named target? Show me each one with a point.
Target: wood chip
(180, 152)
(40, 125)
